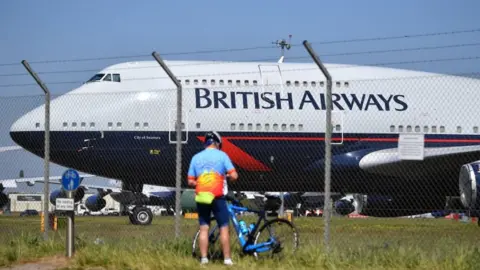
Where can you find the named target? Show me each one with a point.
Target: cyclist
(207, 173)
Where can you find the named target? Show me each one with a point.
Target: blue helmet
(213, 137)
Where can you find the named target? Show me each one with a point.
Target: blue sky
(53, 30)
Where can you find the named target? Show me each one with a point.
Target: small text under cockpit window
(96, 77)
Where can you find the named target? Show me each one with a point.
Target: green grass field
(112, 243)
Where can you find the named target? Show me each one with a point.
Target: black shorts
(219, 209)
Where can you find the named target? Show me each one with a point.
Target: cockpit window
(108, 78)
(96, 77)
(116, 77)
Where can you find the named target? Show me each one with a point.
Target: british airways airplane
(120, 124)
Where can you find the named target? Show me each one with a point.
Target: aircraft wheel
(142, 216)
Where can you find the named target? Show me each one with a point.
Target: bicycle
(250, 245)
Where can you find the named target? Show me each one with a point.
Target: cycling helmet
(213, 137)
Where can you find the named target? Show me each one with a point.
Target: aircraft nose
(27, 131)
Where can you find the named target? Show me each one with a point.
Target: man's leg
(204, 212)
(221, 215)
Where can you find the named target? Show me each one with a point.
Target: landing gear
(140, 216)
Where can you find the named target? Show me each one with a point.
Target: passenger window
(84, 124)
(434, 129)
(229, 82)
(347, 84)
(442, 129)
(212, 82)
(297, 83)
(92, 124)
(195, 82)
(275, 126)
(187, 82)
(338, 127)
(250, 126)
(459, 129)
(221, 82)
(259, 126)
(289, 83)
(292, 127)
(400, 128)
(65, 124)
(284, 126)
(300, 127)
(238, 82)
(305, 83)
(267, 126)
(145, 125)
(108, 78)
(254, 82)
(409, 128)
(475, 129)
(232, 126)
(198, 125)
(204, 82)
(313, 84)
(37, 125)
(425, 129)
(74, 124)
(110, 124)
(246, 82)
(116, 77)
(417, 128)
(338, 84)
(241, 126)
(137, 124)
(392, 128)
(119, 124)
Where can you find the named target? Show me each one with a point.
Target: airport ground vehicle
(248, 236)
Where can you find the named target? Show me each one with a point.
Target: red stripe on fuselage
(253, 138)
(240, 157)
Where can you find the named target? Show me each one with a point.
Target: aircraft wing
(12, 183)
(388, 162)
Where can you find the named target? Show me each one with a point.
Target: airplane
(121, 124)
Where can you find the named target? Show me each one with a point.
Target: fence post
(46, 176)
(178, 166)
(328, 143)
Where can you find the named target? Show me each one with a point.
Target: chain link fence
(275, 136)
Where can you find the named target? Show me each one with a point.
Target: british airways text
(205, 98)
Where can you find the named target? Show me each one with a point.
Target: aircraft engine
(344, 207)
(396, 206)
(95, 203)
(60, 193)
(469, 185)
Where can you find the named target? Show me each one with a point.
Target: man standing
(208, 173)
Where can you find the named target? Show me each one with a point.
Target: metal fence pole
(328, 143)
(178, 176)
(46, 183)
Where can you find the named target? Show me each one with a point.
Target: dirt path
(48, 263)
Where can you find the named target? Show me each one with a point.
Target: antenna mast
(283, 44)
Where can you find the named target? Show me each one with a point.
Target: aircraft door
(337, 127)
(172, 126)
(271, 77)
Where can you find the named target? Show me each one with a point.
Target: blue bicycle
(249, 236)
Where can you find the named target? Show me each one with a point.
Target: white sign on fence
(411, 146)
(63, 204)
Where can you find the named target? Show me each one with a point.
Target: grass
(112, 243)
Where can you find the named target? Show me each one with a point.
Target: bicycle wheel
(283, 246)
(213, 251)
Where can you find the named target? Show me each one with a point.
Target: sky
(62, 30)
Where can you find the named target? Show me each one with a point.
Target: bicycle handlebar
(232, 199)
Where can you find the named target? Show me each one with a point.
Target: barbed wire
(257, 60)
(253, 48)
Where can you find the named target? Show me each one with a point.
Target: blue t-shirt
(209, 168)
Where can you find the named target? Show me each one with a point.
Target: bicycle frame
(247, 245)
